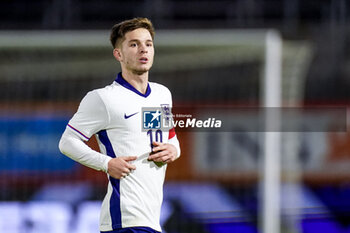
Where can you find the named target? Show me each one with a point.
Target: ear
(117, 54)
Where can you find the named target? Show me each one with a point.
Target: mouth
(143, 60)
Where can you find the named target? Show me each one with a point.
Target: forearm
(73, 147)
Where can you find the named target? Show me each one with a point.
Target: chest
(129, 113)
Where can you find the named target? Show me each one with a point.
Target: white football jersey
(114, 115)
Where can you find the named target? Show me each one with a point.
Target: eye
(149, 44)
(133, 45)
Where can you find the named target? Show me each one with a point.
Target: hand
(163, 152)
(120, 167)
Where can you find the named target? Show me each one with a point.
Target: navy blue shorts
(133, 230)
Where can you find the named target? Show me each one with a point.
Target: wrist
(105, 164)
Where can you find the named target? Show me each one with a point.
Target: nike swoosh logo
(128, 116)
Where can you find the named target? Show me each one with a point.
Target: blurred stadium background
(208, 53)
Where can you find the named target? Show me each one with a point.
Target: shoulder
(98, 97)
(159, 88)
(104, 91)
(109, 88)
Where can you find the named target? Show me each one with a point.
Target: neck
(138, 80)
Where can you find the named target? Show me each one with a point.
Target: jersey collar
(127, 85)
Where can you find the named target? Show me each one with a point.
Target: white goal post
(271, 182)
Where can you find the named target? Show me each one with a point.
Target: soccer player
(135, 160)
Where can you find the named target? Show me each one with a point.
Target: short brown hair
(119, 30)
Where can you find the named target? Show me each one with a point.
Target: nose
(143, 48)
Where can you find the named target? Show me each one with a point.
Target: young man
(129, 155)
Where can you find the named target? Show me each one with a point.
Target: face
(136, 52)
